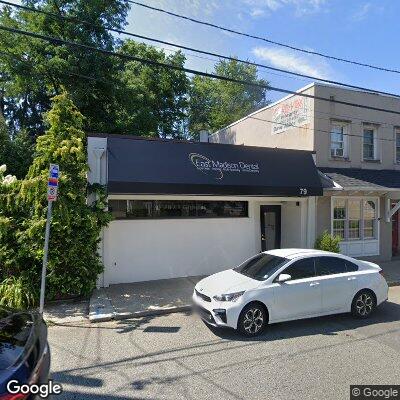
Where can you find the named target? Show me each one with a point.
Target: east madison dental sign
(217, 168)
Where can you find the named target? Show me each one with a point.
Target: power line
(188, 48)
(230, 30)
(251, 117)
(154, 63)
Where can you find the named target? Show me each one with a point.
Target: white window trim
(346, 131)
(377, 219)
(374, 128)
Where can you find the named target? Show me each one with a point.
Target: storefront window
(142, 209)
(354, 219)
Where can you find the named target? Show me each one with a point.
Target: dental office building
(190, 208)
(357, 148)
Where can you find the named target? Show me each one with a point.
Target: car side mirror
(284, 278)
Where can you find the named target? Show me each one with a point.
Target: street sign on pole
(52, 192)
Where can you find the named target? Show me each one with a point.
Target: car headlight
(228, 297)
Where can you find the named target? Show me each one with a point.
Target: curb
(104, 317)
(162, 311)
(394, 283)
(100, 307)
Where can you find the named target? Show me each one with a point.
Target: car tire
(364, 304)
(252, 320)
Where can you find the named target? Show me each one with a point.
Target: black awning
(142, 166)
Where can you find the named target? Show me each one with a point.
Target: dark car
(24, 351)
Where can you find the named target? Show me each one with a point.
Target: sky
(366, 31)
(361, 30)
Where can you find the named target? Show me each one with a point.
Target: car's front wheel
(364, 304)
(252, 319)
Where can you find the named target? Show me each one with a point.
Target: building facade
(186, 209)
(358, 148)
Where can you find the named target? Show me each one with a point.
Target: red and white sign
(294, 112)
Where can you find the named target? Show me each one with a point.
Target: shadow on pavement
(79, 380)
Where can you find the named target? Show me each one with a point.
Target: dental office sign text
(293, 112)
(217, 168)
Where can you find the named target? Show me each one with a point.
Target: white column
(96, 150)
(311, 221)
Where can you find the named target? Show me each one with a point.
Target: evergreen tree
(75, 230)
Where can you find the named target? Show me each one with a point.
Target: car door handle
(352, 278)
(314, 284)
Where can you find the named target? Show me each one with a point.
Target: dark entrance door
(270, 217)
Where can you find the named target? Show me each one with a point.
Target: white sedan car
(288, 284)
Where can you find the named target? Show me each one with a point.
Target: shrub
(328, 242)
(16, 293)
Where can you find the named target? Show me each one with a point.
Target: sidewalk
(140, 299)
(391, 271)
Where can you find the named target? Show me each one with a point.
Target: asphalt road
(178, 357)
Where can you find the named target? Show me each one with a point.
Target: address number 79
(303, 191)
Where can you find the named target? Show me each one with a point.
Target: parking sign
(52, 183)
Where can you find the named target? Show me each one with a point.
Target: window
(301, 269)
(329, 266)
(351, 267)
(339, 139)
(369, 143)
(354, 207)
(369, 219)
(339, 218)
(354, 219)
(397, 145)
(261, 266)
(138, 209)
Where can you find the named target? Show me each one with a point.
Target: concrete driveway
(177, 357)
(142, 298)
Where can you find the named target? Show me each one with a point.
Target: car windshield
(261, 266)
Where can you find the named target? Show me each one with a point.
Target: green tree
(5, 142)
(33, 71)
(15, 152)
(153, 100)
(216, 103)
(21, 154)
(73, 260)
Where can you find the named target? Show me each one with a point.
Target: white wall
(140, 250)
(292, 235)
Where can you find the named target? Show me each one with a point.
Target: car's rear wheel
(364, 304)
(252, 319)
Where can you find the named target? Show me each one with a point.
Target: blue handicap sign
(54, 171)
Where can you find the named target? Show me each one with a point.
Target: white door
(300, 296)
(337, 283)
